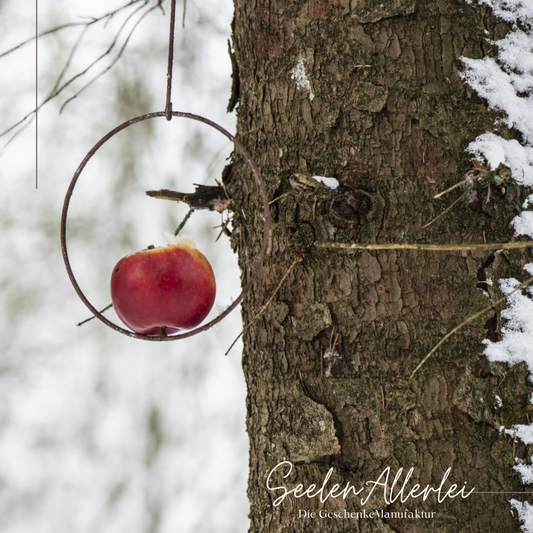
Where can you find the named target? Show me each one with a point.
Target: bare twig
(426, 247)
(279, 197)
(58, 89)
(106, 53)
(269, 301)
(224, 230)
(92, 317)
(184, 13)
(335, 339)
(468, 179)
(69, 59)
(183, 222)
(92, 21)
(479, 171)
(490, 307)
(445, 212)
(209, 197)
(15, 134)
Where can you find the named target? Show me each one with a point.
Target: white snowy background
(506, 83)
(99, 432)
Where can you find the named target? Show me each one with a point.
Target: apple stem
(183, 222)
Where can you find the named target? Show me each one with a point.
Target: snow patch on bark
(331, 183)
(509, 152)
(526, 471)
(525, 515)
(506, 83)
(299, 75)
(511, 10)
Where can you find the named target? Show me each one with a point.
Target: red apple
(171, 287)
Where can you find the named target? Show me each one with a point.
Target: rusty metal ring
(258, 263)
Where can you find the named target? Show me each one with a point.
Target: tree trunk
(382, 108)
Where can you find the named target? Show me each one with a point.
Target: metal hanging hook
(170, 65)
(168, 113)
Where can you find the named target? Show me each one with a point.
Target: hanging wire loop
(258, 261)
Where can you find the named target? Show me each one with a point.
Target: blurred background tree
(99, 432)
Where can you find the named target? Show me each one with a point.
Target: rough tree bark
(385, 112)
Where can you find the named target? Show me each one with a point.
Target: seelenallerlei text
(390, 486)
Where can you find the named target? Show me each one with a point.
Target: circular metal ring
(258, 262)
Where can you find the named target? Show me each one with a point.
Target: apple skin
(172, 287)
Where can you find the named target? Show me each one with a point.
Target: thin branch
(109, 15)
(102, 56)
(112, 64)
(467, 321)
(183, 222)
(264, 307)
(70, 57)
(427, 247)
(471, 176)
(57, 91)
(204, 197)
(279, 197)
(12, 138)
(22, 120)
(445, 212)
(92, 317)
